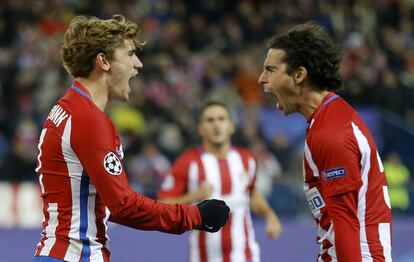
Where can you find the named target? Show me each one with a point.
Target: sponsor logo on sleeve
(112, 164)
(333, 173)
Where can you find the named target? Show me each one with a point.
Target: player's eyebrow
(270, 67)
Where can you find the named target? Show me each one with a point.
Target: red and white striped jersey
(233, 178)
(345, 185)
(83, 183)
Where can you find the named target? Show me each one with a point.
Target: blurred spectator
(398, 178)
(197, 50)
(269, 168)
(147, 170)
(19, 165)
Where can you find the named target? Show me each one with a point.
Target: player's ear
(102, 62)
(300, 75)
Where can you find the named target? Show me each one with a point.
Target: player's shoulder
(332, 120)
(337, 112)
(185, 159)
(244, 152)
(87, 120)
(84, 110)
(189, 155)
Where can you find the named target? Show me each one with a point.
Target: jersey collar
(79, 88)
(328, 98)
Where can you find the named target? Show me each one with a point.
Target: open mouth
(267, 90)
(134, 75)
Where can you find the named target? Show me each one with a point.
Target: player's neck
(97, 90)
(310, 101)
(219, 151)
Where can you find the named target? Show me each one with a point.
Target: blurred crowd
(199, 50)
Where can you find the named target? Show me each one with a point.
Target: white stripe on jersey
(193, 177)
(39, 146)
(384, 230)
(365, 167)
(194, 251)
(329, 236)
(105, 220)
(42, 186)
(91, 234)
(212, 173)
(50, 229)
(212, 176)
(237, 199)
(386, 196)
(238, 236)
(312, 165)
(252, 167)
(193, 184)
(75, 170)
(213, 246)
(381, 166)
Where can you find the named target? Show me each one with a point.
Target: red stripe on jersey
(325, 257)
(245, 156)
(377, 251)
(225, 176)
(100, 215)
(202, 234)
(105, 255)
(55, 187)
(247, 249)
(202, 246)
(226, 245)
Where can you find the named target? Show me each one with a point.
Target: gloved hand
(214, 214)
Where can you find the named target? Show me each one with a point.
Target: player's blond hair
(88, 36)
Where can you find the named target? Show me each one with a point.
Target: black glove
(214, 214)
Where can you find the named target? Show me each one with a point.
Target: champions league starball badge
(112, 164)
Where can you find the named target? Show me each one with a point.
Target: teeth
(277, 105)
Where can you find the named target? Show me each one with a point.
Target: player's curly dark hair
(310, 46)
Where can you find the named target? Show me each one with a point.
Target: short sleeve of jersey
(175, 183)
(337, 157)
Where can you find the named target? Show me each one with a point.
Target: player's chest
(227, 176)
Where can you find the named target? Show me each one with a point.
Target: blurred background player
(345, 184)
(82, 179)
(220, 170)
